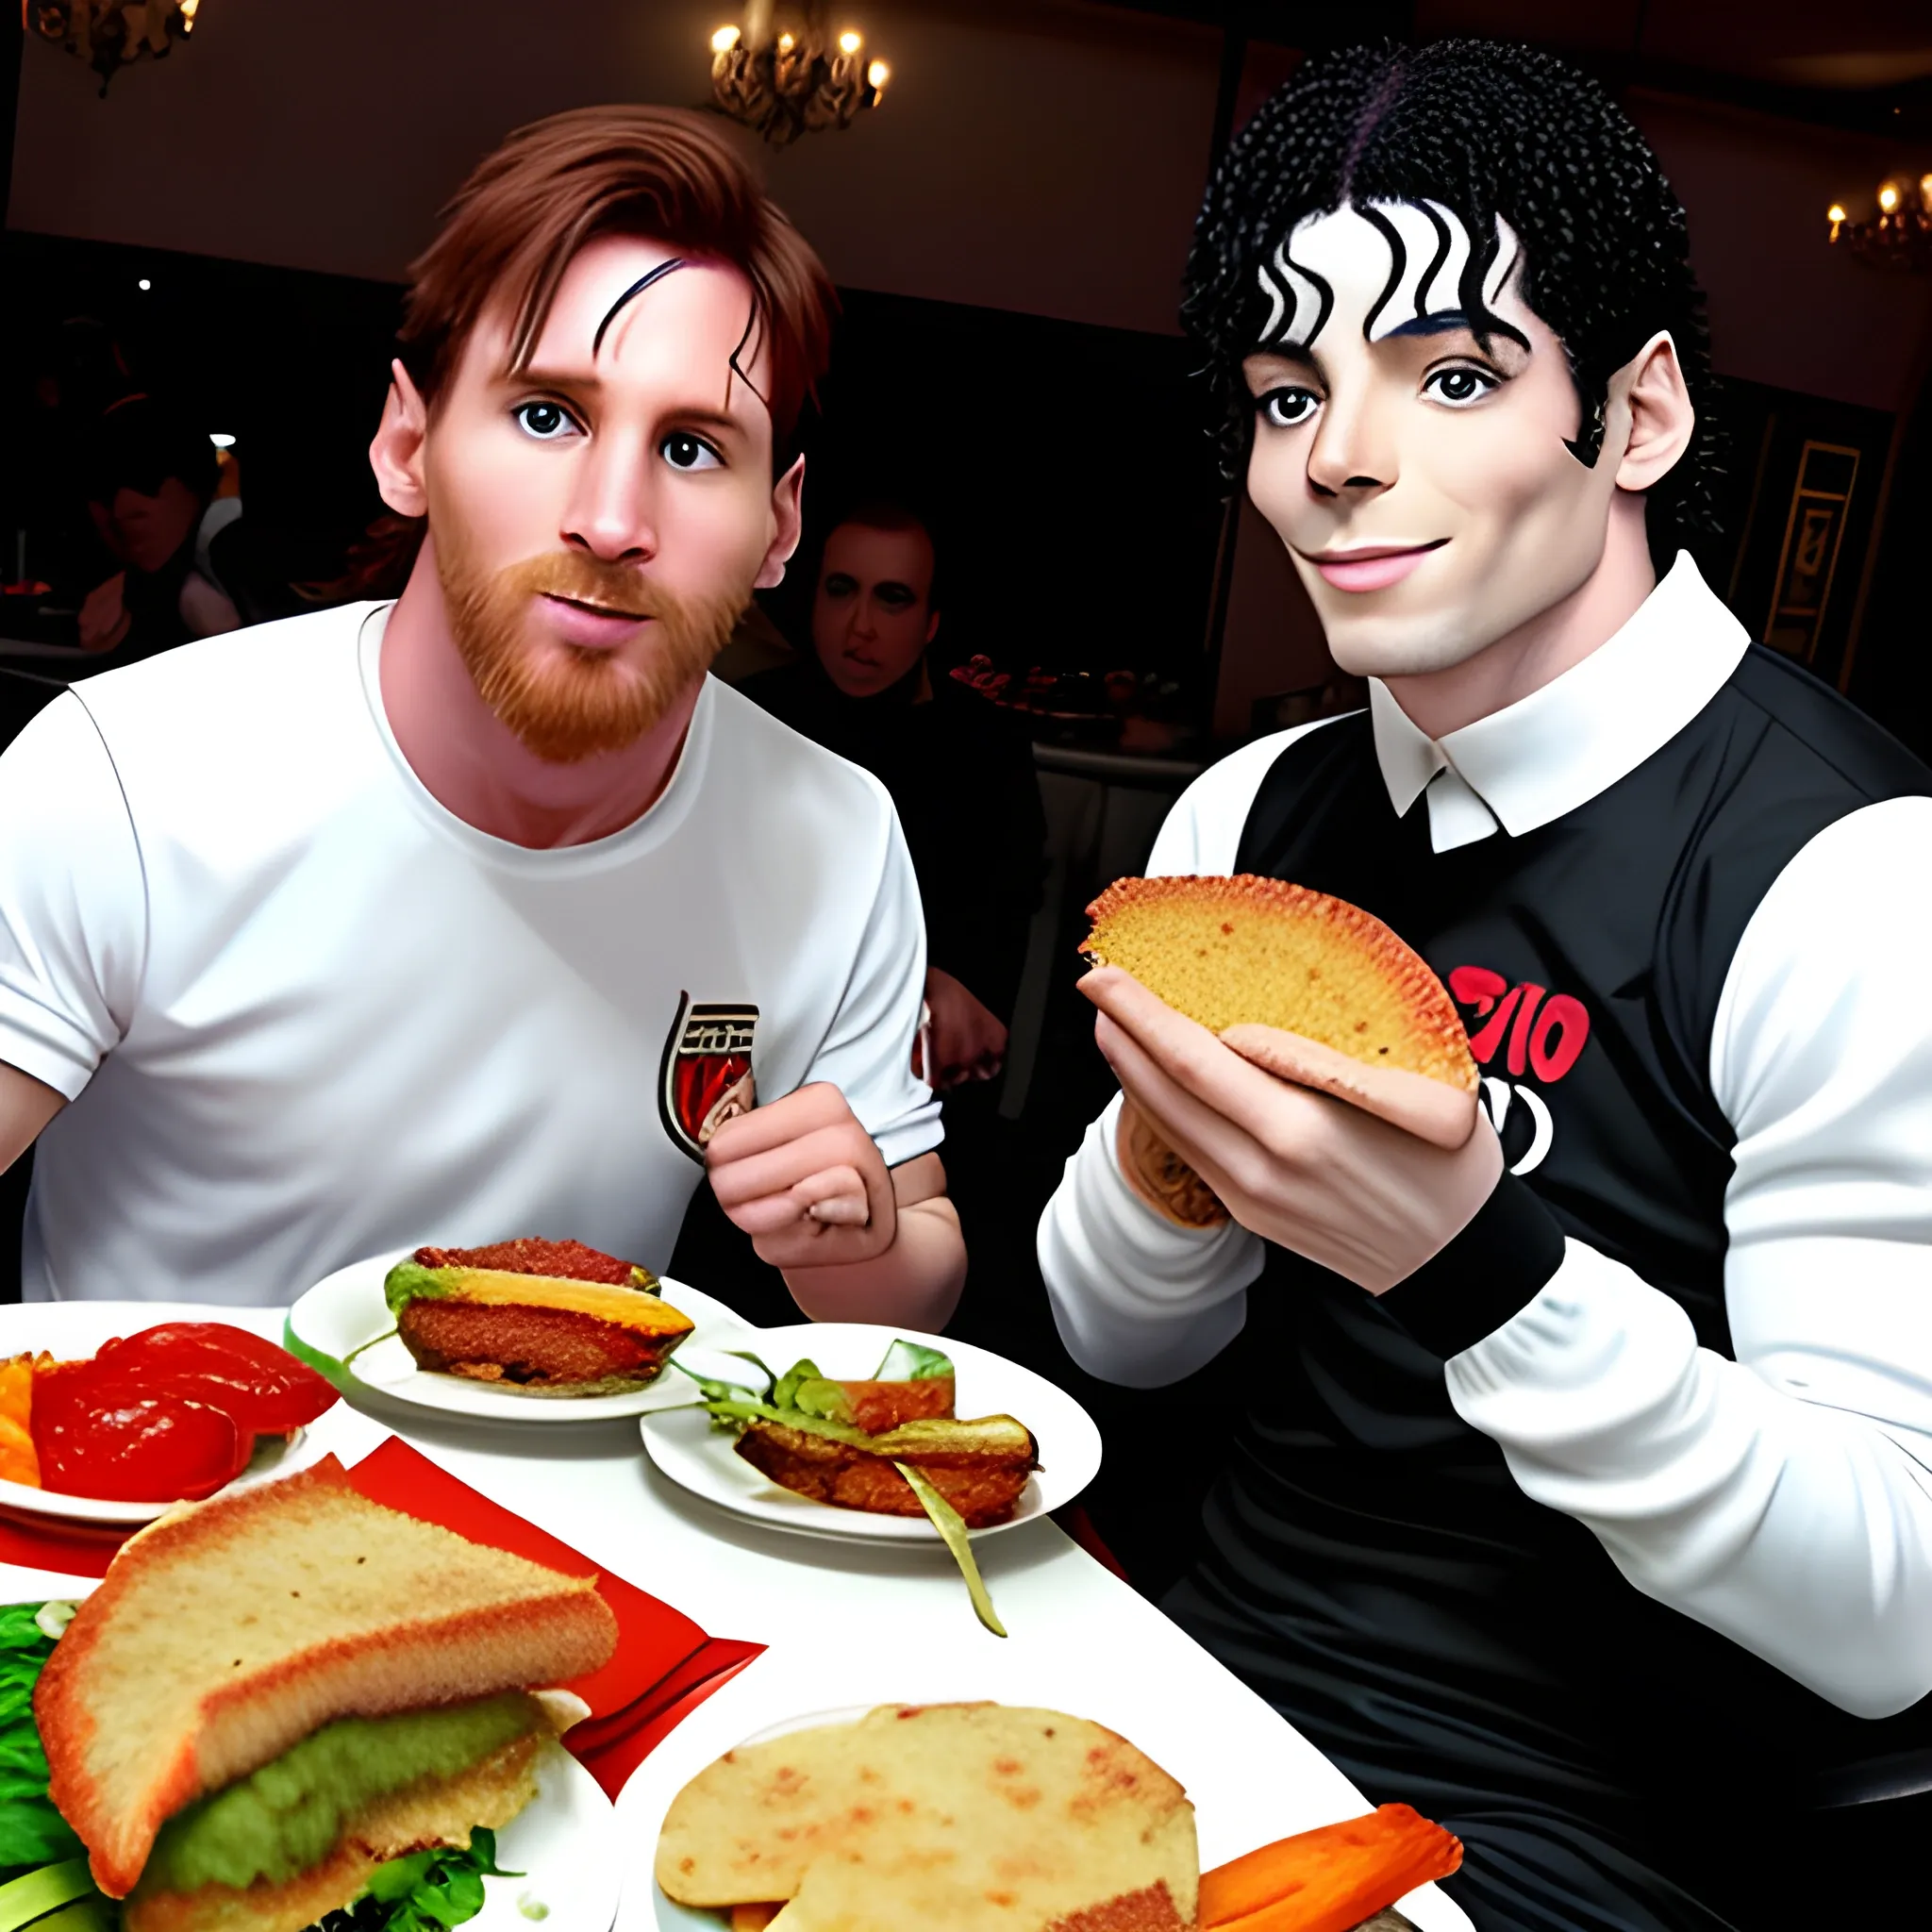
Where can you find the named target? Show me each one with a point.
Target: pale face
(145, 531)
(600, 518)
(873, 614)
(1419, 480)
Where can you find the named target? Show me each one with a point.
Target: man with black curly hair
(1582, 1498)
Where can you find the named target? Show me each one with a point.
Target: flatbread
(954, 1818)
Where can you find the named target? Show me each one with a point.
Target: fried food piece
(528, 1255)
(532, 1334)
(979, 1467)
(1308, 987)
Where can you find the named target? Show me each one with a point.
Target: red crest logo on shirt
(706, 1078)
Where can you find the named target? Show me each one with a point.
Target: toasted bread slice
(438, 1812)
(979, 1467)
(230, 1630)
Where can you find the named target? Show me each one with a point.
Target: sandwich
(848, 1444)
(1308, 987)
(952, 1818)
(534, 1317)
(276, 1694)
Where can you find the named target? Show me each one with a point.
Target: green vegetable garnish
(913, 1361)
(318, 1359)
(409, 1281)
(25, 1901)
(956, 1538)
(786, 1394)
(824, 1399)
(32, 1833)
(430, 1892)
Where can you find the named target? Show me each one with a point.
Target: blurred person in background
(154, 492)
(960, 771)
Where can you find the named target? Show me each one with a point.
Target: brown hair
(514, 226)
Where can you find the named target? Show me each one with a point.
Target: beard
(564, 702)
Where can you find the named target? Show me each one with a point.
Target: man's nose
(1352, 450)
(611, 508)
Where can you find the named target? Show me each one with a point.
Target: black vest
(1370, 1537)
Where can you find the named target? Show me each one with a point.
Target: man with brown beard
(487, 912)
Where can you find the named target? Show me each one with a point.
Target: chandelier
(1899, 236)
(107, 34)
(793, 80)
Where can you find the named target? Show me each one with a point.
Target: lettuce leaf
(426, 1891)
(31, 1831)
(914, 1362)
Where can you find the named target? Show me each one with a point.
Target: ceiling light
(795, 81)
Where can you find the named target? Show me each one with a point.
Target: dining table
(830, 1626)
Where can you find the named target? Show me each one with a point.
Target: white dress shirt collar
(1556, 749)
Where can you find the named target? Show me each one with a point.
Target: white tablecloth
(847, 1625)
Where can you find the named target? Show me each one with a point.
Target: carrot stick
(1329, 1879)
(19, 1462)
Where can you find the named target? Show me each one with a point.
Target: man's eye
(1286, 407)
(683, 451)
(1459, 388)
(546, 422)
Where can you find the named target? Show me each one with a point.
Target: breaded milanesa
(1307, 986)
(980, 1468)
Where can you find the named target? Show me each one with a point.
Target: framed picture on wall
(1804, 475)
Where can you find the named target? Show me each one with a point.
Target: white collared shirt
(1783, 1498)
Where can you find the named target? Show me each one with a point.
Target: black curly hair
(1484, 128)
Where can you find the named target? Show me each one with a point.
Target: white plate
(71, 1330)
(1251, 1784)
(346, 1309)
(705, 1461)
(565, 1843)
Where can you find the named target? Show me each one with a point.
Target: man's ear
(397, 454)
(788, 497)
(932, 627)
(1662, 420)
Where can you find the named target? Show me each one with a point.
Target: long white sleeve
(1137, 1300)
(1785, 1498)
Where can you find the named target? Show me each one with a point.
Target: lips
(1371, 567)
(591, 626)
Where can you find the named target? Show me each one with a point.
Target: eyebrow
(1443, 322)
(636, 289)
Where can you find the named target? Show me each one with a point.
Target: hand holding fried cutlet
(1288, 1060)
(1300, 1168)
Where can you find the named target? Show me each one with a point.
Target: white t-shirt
(304, 1014)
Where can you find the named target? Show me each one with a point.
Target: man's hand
(103, 619)
(805, 1180)
(1311, 1173)
(857, 1243)
(968, 1043)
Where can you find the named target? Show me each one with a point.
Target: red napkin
(665, 1665)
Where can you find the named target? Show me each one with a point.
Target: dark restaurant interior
(226, 230)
